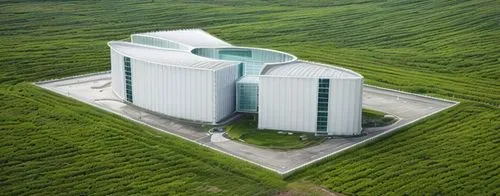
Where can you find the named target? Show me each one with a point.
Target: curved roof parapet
(190, 37)
(306, 69)
(165, 56)
(158, 42)
(262, 54)
(255, 56)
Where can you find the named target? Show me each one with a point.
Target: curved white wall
(253, 63)
(288, 103)
(117, 71)
(225, 85)
(344, 106)
(182, 92)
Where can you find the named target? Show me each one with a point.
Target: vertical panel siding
(225, 84)
(344, 111)
(174, 91)
(287, 103)
(117, 77)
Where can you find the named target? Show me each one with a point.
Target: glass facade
(250, 65)
(253, 59)
(128, 79)
(240, 70)
(253, 68)
(247, 96)
(322, 118)
(238, 53)
(155, 42)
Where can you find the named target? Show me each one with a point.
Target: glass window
(322, 114)
(247, 97)
(240, 69)
(236, 52)
(323, 105)
(323, 90)
(323, 100)
(128, 78)
(322, 117)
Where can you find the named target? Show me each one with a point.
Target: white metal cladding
(157, 42)
(225, 90)
(167, 56)
(117, 71)
(287, 103)
(344, 106)
(175, 91)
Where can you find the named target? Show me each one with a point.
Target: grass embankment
(372, 118)
(245, 130)
(50, 144)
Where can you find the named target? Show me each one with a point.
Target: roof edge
(267, 67)
(110, 45)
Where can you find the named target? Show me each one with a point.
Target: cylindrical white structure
(195, 88)
(310, 97)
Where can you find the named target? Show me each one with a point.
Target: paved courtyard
(95, 89)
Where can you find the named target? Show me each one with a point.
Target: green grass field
(373, 118)
(245, 130)
(51, 144)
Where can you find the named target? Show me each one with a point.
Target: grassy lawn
(245, 130)
(373, 118)
(51, 145)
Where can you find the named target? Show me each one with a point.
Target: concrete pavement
(95, 90)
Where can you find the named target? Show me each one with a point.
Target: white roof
(167, 56)
(190, 37)
(197, 38)
(304, 69)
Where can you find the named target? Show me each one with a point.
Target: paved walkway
(95, 90)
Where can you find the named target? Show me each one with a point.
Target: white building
(173, 82)
(310, 97)
(192, 75)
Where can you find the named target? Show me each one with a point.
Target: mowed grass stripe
(130, 157)
(407, 171)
